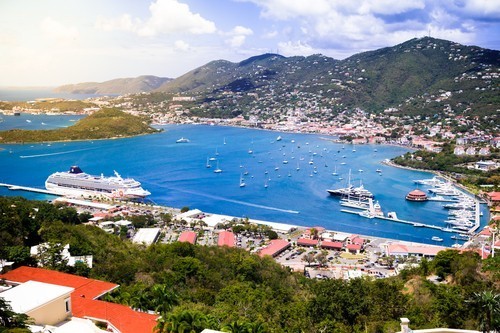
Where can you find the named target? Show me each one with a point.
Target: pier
(415, 224)
(27, 188)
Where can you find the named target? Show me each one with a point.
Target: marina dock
(415, 224)
(27, 188)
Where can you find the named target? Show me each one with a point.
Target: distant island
(144, 83)
(103, 124)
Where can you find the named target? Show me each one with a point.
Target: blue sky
(54, 42)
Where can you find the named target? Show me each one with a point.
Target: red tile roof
(274, 247)
(83, 300)
(188, 236)
(353, 247)
(226, 238)
(331, 245)
(307, 242)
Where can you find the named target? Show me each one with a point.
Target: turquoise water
(177, 176)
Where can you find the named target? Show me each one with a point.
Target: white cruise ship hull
(78, 184)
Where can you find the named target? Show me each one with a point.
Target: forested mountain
(139, 84)
(420, 74)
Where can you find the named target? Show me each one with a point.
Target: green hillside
(409, 77)
(117, 86)
(103, 124)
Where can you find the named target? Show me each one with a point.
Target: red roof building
(354, 248)
(226, 238)
(275, 247)
(188, 236)
(357, 240)
(416, 195)
(332, 245)
(84, 299)
(493, 197)
(307, 242)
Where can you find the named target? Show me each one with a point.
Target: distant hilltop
(144, 83)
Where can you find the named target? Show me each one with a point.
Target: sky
(55, 42)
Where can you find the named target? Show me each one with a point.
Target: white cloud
(57, 32)
(270, 34)
(124, 22)
(339, 25)
(295, 48)
(389, 7)
(238, 36)
(167, 17)
(181, 45)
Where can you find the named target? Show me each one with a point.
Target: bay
(176, 174)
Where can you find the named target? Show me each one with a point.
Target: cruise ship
(76, 183)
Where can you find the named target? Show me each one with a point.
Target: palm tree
(163, 299)
(256, 327)
(235, 327)
(487, 305)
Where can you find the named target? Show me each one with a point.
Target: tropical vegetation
(195, 287)
(103, 124)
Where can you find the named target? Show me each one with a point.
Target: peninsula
(103, 124)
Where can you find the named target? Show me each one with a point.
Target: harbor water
(285, 180)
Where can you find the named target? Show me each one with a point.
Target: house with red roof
(332, 245)
(226, 238)
(307, 242)
(188, 236)
(84, 296)
(353, 248)
(275, 248)
(493, 198)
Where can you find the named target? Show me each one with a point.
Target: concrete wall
(51, 313)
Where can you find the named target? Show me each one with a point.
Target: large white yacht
(76, 183)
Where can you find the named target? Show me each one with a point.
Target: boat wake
(58, 153)
(241, 202)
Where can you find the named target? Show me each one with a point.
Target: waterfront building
(416, 195)
(307, 242)
(275, 248)
(332, 245)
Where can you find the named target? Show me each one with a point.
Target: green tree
(309, 258)
(486, 305)
(10, 319)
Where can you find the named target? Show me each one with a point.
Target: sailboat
(224, 140)
(217, 169)
(208, 163)
(298, 167)
(242, 181)
(265, 184)
(335, 171)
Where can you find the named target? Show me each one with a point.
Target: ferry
(76, 183)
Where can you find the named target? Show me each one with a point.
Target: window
(68, 308)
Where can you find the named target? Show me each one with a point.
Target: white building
(45, 303)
